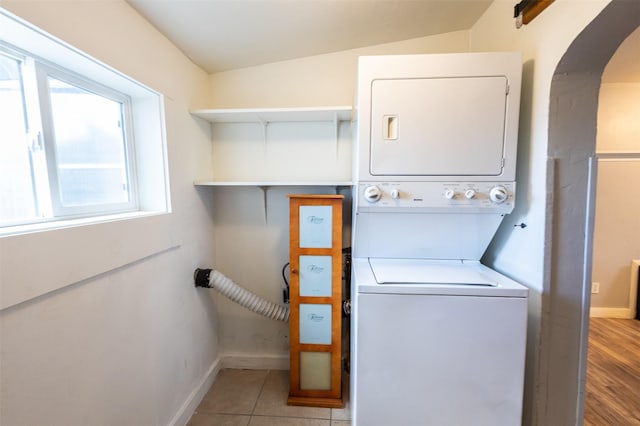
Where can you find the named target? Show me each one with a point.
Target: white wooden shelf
(272, 183)
(333, 115)
(274, 115)
(265, 186)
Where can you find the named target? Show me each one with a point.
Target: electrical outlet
(595, 288)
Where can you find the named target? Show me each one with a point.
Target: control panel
(462, 196)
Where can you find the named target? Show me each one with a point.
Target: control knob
(469, 194)
(372, 194)
(498, 194)
(449, 194)
(395, 194)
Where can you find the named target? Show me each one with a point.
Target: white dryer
(437, 337)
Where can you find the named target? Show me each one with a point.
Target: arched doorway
(572, 138)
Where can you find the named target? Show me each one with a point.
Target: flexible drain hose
(210, 278)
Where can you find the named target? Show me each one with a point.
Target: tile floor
(259, 398)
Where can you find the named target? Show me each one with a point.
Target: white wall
(616, 237)
(103, 324)
(250, 249)
(524, 254)
(40, 338)
(542, 43)
(315, 81)
(617, 222)
(619, 117)
(520, 253)
(567, 83)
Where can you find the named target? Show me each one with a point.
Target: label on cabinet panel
(315, 226)
(315, 276)
(315, 324)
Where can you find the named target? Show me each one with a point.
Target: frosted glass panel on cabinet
(315, 276)
(315, 324)
(315, 370)
(315, 226)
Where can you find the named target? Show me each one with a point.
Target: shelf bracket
(264, 189)
(264, 124)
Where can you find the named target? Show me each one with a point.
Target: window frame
(28, 115)
(59, 210)
(148, 154)
(38, 117)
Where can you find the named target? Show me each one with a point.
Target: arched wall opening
(573, 110)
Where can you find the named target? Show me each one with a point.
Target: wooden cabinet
(315, 255)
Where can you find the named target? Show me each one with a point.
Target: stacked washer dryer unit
(437, 337)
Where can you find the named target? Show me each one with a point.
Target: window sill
(69, 223)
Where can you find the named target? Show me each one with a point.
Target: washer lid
(431, 277)
(421, 271)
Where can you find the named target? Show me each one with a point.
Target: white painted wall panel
(250, 249)
(617, 231)
(619, 117)
(117, 333)
(526, 254)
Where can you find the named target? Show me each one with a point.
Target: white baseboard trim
(240, 361)
(626, 313)
(193, 400)
(255, 362)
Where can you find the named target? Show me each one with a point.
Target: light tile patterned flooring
(259, 398)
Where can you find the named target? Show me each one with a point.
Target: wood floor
(613, 373)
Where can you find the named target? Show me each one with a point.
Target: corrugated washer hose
(210, 278)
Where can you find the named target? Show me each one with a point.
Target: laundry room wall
(252, 225)
(617, 222)
(517, 252)
(524, 253)
(101, 324)
(318, 80)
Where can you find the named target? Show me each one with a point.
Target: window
(65, 144)
(88, 135)
(68, 144)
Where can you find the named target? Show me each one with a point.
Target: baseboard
(244, 361)
(626, 313)
(193, 400)
(255, 362)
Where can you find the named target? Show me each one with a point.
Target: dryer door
(438, 126)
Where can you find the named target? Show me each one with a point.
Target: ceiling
(221, 35)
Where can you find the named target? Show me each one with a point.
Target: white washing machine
(439, 343)
(437, 337)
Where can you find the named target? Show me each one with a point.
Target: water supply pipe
(210, 278)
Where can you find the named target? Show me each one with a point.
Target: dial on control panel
(372, 194)
(498, 194)
(449, 194)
